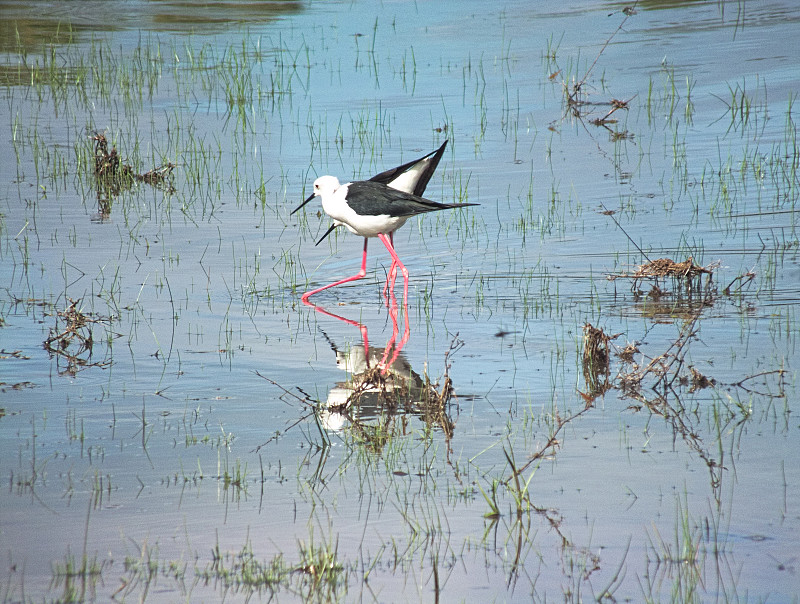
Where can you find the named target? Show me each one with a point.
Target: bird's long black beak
(328, 232)
(310, 197)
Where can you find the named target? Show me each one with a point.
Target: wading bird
(377, 208)
(412, 177)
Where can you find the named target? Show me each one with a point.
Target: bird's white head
(325, 185)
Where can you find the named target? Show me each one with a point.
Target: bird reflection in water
(382, 390)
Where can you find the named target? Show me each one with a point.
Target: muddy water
(177, 433)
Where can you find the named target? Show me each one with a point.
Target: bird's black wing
(431, 160)
(369, 198)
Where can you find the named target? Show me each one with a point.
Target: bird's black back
(369, 198)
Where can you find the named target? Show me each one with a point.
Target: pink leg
(396, 260)
(391, 276)
(360, 275)
(395, 349)
(361, 327)
(391, 304)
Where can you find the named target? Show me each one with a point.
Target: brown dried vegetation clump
(74, 341)
(113, 176)
(688, 273)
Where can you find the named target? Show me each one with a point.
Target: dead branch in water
(574, 93)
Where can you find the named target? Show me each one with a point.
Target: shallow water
(191, 449)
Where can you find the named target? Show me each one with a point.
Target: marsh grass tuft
(678, 562)
(243, 573)
(77, 578)
(318, 576)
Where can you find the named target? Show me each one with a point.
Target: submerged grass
(316, 573)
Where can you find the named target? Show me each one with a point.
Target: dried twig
(573, 96)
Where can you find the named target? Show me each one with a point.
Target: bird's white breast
(336, 206)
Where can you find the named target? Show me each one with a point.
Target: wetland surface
(590, 393)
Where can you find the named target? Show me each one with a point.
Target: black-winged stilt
(373, 209)
(412, 177)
